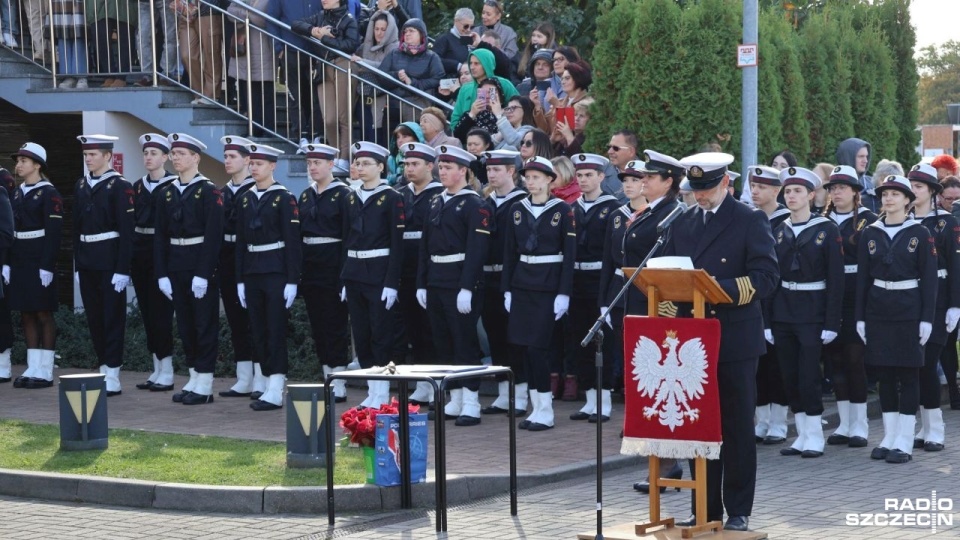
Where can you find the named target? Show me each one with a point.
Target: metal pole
(246, 30)
(53, 44)
(748, 146)
(153, 43)
(598, 359)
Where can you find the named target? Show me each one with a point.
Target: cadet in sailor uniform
(845, 353)
(804, 313)
(771, 427)
(371, 271)
(102, 250)
(156, 310)
(591, 212)
(452, 252)
(250, 380)
(7, 184)
(187, 245)
(501, 170)
(946, 232)
(269, 256)
(414, 327)
(539, 254)
(896, 302)
(734, 244)
(323, 226)
(37, 211)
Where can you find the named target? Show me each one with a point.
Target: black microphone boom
(662, 226)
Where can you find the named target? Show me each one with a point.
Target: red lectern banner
(670, 373)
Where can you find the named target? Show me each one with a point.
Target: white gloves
(607, 318)
(506, 301)
(422, 298)
(76, 277)
(165, 287)
(953, 315)
(925, 329)
(343, 293)
(560, 306)
(862, 331)
(120, 282)
(768, 335)
(199, 287)
(290, 293)
(827, 336)
(389, 296)
(242, 295)
(464, 298)
(6, 274)
(46, 278)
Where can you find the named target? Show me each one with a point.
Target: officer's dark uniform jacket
(145, 192)
(591, 218)
(416, 206)
(946, 234)
(323, 228)
(457, 225)
(499, 228)
(553, 233)
(189, 228)
(37, 208)
(107, 207)
(269, 218)
(231, 208)
(377, 223)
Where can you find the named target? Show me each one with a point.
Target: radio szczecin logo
(930, 512)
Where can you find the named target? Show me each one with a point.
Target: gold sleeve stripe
(667, 309)
(746, 289)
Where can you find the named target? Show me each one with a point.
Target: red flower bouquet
(360, 423)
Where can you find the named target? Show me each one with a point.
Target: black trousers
(612, 352)
(732, 479)
(454, 333)
(798, 351)
(371, 323)
(413, 330)
(114, 43)
(304, 115)
(929, 380)
(328, 323)
(6, 325)
(583, 312)
(268, 320)
(948, 360)
(156, 310)
(502, 352)
(769, 381)
(237, 318)
(536, 363)
(849, 373)
(899, 389)
(198, 321)
(106, 311)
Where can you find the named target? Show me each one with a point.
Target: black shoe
(758, 439)
(37, 383)
(955, 405)
(255, 395)
(810, 454)
(178, 397)
(770, 439)
(524, 424)
(418, 403)
(339, 399)
(857, 442)
(260, 405)
(111, 393)
(579, 415)
(917, 444)
(897, 456)
(790, 451)
(464, 420)
(20, 381)
(737, 523)
(593, 419)
(233, 393)
(193, 398)
(879, 453)
(931, 446)
(675, 473)
(145, 385)
(838, 439)
(689, 522)
(535, 426)
(4, 380)
(161, 388)
(492, 409)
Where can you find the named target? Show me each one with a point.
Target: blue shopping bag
(386, 469)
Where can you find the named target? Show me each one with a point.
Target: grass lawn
(162, 457)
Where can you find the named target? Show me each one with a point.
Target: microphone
(667, 221)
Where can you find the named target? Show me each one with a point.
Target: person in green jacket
(112, 56)
(480, 58)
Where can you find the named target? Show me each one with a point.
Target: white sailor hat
(97, 142)
(798, 176)
(455, 154)
(319, 151)
(634, 169)
(897, 182)
(844, 174)
(733, 175)
(685, 186)
(502, 157)
(237, 144)
(923, 172)
(371, 150)
(657, 163)
(705, 170)
(182, 140)
(264, 152)
(155, 140)
(33, 151)
(761, 174)
(420, 151)
(593, 162)
(537, 163)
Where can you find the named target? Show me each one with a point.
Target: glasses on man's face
(528, 143)
(511, 108)
(558, 59)
(616, 148)
(364, 164)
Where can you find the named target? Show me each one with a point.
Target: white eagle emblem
(671, 380)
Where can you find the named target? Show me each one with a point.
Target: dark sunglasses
(528, 143)
(617, 148)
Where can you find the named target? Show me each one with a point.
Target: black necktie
(707, 216)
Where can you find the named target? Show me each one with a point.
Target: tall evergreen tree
(895, 23)
(795, 131)
(873, 90)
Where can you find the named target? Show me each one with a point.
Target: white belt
(413, 235)
(456, 257)
(144, 230)
(541, 259)
(619, 272)
(230, 238)
(99, 237)
(897, 285)
(26, 235)
(314, 240)
(942, 273)
(257, 248)
(493, 268)
(849, 269)
(587, 265)
(368, 254)
(192, 241)
(809, 286)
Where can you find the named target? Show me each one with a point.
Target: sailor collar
(813, 221)
(27, 188)
(431, 185)
(551, 202)
(602, 198)
(332, 184)
(780, 211)
(499, 201)
(380, 187)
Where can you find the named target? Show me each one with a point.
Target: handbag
(238, 43)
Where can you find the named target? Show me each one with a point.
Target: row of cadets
(189, 230)
(896, 301)
(371, 270)
(323, 226)
(501, 171)
(419, 170)
(804, 312)
(771, 427)
(102, 249)
(268, 262)
(156, 309)
(591, 213)
(946, 233)
(37, 222)
(539, 255)
(846, 353)
(250, 380)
